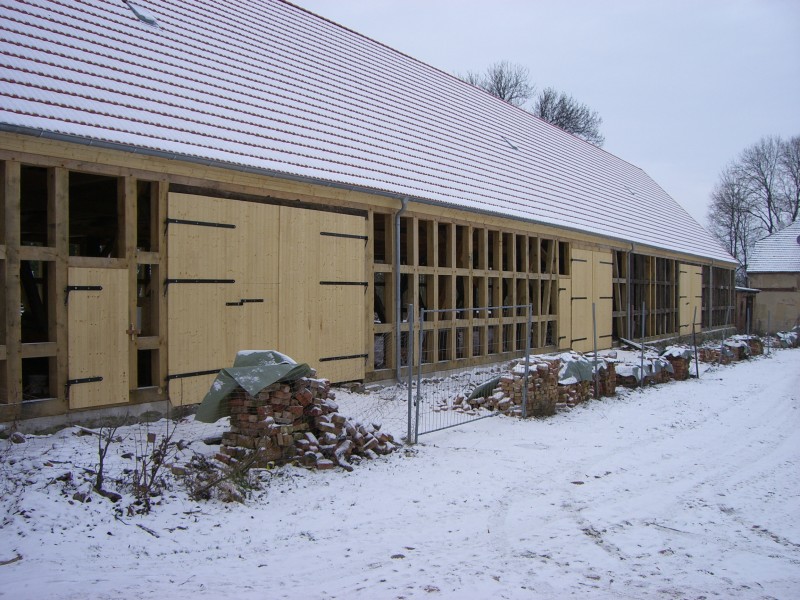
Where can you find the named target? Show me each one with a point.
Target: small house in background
(183, 180)
(774, 269)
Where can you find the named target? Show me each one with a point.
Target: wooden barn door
(221, 287)
(581, 300)
(97, 309)
(690, 292)
(592, 278)
(603, 297)
(323, 291)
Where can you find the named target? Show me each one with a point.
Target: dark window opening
(146, 209)
(36, 379)
(145, 371)
(94, 224)
(34, 294)
(33, 206)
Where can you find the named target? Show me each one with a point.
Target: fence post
(722, 340)
(527, 362)
(419, 376)
(641, 360)
(769, 335)
(694, 343)
(410, 349)
(594, 344)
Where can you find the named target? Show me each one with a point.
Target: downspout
(398, 300)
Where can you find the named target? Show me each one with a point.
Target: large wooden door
(251, 276)
(222, 287)
(323, 291)
(98, 341)
(582, 291)
(603, 296)
(592, 279)
(690, 293)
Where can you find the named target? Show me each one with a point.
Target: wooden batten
(13, 297)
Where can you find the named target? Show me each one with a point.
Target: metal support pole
(694, 343)
(722, 340)
(410, 367)
(641, 360)
(769, 335)
(419, 377)
(748, 322)
(527, 363)
(594, 338)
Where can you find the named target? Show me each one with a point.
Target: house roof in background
(777, 253)
(267, 86)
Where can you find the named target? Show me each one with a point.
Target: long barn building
(181, 180)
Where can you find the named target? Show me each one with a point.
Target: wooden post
(160, 243)
(128, 205)
(58, 238)
(11, 194)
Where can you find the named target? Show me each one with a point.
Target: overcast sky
(682, 86)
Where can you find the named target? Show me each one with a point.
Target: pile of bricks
(572, 394)
(710, 354)
(680, 366)
(756, 345)
(630, 380)
(542, 387)
(607, 379)
(297, 422)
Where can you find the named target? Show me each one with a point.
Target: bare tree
(564, 111)
(504, 80)
(758, 168)
(730, 220)
(790, 176)
(511, 82)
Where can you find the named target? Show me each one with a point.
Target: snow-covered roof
(264, 85)
(777, 253)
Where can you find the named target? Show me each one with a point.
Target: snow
(683, 490)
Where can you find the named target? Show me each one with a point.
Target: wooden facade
(137, 278)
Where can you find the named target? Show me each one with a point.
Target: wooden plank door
(582, 293)
(690, 296)
(97, 309)
(564, 314)
(603, 296)
(322, 290)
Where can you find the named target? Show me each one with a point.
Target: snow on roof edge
(111, 145)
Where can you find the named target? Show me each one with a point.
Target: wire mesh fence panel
(449, 399)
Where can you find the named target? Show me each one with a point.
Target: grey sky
(682, 86)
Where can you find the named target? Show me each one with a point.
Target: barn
(774, 269)
(182, 180)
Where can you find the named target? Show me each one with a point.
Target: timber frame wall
(458, 265)
(449, 259)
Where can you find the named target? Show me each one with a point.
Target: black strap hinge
(80, 288)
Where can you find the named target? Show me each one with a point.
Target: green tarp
(252, 370)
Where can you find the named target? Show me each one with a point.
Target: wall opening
(33, 206)
(146, 211)
(425, 243)
(94, 216)
(35, 292)
(36, 379)
(380, 239)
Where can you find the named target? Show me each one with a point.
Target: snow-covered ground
(687, 490)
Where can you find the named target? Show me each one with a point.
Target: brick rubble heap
(298, 422)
